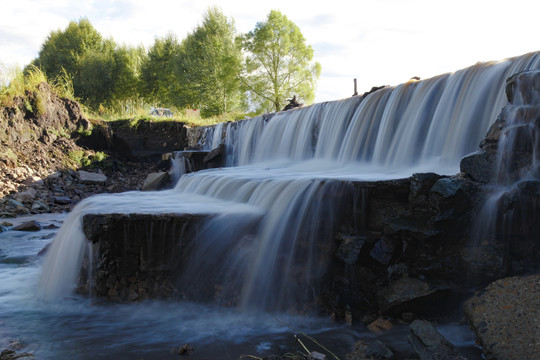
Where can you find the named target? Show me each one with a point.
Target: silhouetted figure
(292, 104)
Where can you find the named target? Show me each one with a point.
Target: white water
(284, 164)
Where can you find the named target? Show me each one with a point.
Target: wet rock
(87, 177)
(28, 226)
(405, 294)
(479, 165)
(429, 344)
(216, 155)
(155, 181)
(314, 355)
(350, 248)
(383, 251)
(505, 316)
(380, 325)
(379, 350)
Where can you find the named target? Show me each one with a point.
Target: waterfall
(507, 226)
(288, 178)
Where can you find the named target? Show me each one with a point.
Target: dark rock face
(136, 256)
(147, 141)
(505, 317)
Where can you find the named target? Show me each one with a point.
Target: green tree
(158, 76)
(278, 63)
(127, 69)
(210, 65)
(84, 55)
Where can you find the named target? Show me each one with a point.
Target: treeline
(213, 69)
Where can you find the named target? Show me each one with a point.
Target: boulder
(155, 181)
(429, 344)
(479, 166)
(28, 226)
(350, 248)
(62, 200)
(216, 155)
(87, 177)
(505, 316)
(379, 350)
(26, 195)
(405, 294)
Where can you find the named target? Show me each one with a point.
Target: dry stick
(309, 337)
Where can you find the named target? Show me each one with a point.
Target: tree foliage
(158, 74)
(279, 63)
(212, 69)
(210, 64)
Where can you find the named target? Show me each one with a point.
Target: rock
(429, 344)
(16, 207)
(33, 181)
(39, 205)
(26, 195)
(380, 326)
(28, 226)
(314, 355)
(349, 249)
(155, 181)
(3, 228)
(447, 187)
(479, 165)
(405, 294)
(62, 200)
(216, 155)
(383, 251)
(87, 177)
(505, 316)
(379, 350)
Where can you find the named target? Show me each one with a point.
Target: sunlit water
(82, 328)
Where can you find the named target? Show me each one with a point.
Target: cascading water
(285, 165)
(507, 228)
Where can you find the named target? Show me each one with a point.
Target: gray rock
(349, 249)
(505, 316)
(403, 292)
(16, 207)
(28, 226)
(39, 205)
(479, 166)
(26, 195)
(429, 344)
(87, 177)
(155, 181)
(383, 251)
(216, 155)
(447, 187)
(62, 200)
(379, 350)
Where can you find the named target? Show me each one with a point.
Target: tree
(83, 54)
(278, 63)
(210, 65)
(158, 72)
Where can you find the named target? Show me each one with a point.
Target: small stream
(82, 328)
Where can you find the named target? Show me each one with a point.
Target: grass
(14, 82)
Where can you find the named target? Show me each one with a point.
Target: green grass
(15, 82)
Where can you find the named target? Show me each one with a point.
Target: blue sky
(379, 42)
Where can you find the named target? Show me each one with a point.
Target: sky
(378, 42)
